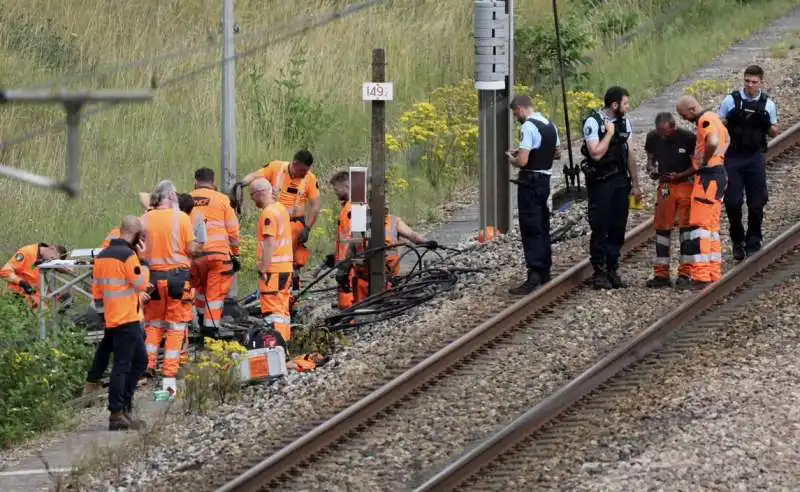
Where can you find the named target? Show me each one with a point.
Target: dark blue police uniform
(540, 137)
(748, 121)
(608, 185)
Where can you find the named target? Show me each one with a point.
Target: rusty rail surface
(427, 370)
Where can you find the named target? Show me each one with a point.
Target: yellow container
(634, 204)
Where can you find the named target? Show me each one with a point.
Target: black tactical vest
(541, 159)
(748, 124)
(615, 160)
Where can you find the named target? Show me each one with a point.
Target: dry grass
(130, 148)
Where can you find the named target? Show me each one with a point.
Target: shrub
(536, 54)
(213, 377)
(37, 377)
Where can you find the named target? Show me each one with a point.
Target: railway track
(440, 375)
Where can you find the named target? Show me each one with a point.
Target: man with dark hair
(611, 176)
(22, 272)
(669, 150)
(538, 147)
(295, 187)
(750, 116)
(213, 271)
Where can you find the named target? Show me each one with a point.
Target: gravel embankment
(547, 356)
(724, 417)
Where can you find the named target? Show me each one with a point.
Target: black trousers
(608, 217)
(534, 220)
(101, 357)
(130, 362)
(747, 175)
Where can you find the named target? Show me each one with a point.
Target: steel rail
(427, 370)
(626, 354)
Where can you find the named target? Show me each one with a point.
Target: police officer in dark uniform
(750, 116)
(539, 146)
(611, 176)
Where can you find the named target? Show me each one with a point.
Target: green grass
(129, 149)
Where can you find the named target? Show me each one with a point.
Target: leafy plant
(213, 377)
(536, 54)
(306, 340)
(708, 92)
(36, 376)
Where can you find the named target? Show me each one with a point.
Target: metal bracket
(73, 102)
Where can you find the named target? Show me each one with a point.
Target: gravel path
(723, 416)
(208, 444)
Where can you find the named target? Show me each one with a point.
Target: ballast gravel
(725, 417)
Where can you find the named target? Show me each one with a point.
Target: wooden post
(377, 202)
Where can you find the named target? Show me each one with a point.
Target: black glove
(343, 281)
(431, 244)
(304, 235)
(330, 261)
(237, 263)
(26, 287)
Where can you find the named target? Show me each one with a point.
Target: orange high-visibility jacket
(708, 123)
(344, 234)
(117, 278)
(274, 222)
(113, 234)
(168, 235)
(23, 265)
(294, 192)
(222, 225)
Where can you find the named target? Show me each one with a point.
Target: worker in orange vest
(170, 247)
(295, 187)
(120, 284)
(219, 260)
(274, 258)
(701, 248)
(356, 287)
(21, 270)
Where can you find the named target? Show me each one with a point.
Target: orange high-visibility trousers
(673, 201)
(212, 277)
(167, 316)
(359, 283)
(275, 298)
(701, 248)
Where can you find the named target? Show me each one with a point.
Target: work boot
(738, 252)
(658, 282)
(600, 279)
(134, 423)
(91, 388)
(615, 280)
(751, 250)
(117, 421)
(687, 283)
(531, 283)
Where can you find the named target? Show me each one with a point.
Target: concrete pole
(228, 124)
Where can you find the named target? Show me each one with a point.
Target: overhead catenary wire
(289, 30)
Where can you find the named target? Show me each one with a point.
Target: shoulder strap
(737, 100)
(762, 101)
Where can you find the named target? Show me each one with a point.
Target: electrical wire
(299, 29)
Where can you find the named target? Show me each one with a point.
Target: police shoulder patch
(587, 131)
(19, 257)
(706, 124)
(137, 270)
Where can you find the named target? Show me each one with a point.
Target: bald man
(275, 258)
(700, 242)
(120, 284)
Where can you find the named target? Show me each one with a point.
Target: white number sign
(377, 91)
